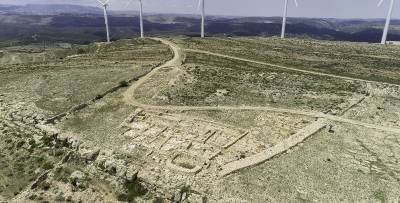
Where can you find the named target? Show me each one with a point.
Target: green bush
(48, 166)
(124, 83)
(133, 189)
(80, 51)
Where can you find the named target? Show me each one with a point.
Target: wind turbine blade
(100, 2)
(107, 2)
(380, 3)
(296, 2)
(387, 24)
(199, 5)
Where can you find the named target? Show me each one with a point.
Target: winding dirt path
(287, 68)
(178, 60)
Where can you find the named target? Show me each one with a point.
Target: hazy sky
(307, 8)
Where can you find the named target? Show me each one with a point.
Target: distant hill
(83, 24)
(48, 9)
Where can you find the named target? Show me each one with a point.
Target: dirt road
(286, 68)
(177, 61)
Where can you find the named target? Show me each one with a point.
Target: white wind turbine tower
(285, 8)
(105, 4)
(202, 7)
(140, 16)
(387, 24)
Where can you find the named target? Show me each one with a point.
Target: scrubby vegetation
(210, 81)
(357, 60)
(58, 84)
(172, 131)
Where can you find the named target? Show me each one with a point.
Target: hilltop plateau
(234, 119)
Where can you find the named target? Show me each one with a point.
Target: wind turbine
(202, 7)
(387, 24)
(140, 15)
(105, 4)
(141, 19)
(285, 8)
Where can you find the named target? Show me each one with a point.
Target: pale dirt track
(177, 61)
(286, 68)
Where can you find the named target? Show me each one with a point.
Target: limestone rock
(89, 155)
(49, 130)
(131, 173)
(78, 179)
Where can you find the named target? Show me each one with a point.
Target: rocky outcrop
(78, 179)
